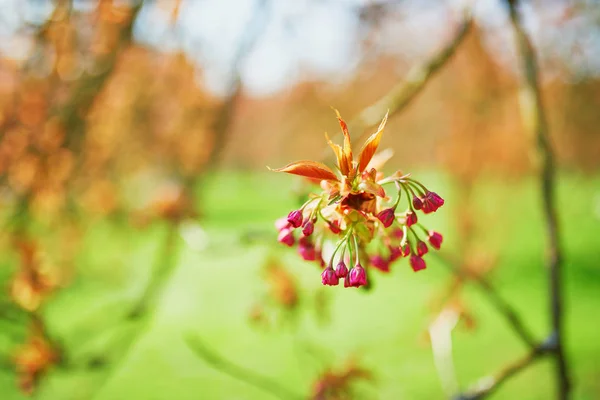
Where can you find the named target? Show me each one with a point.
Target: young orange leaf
(347, 154)
(309, 169)
(339, 155)
(370, 146)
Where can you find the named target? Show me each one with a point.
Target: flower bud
(387, 217)
(395, 253)
(405, 250)
(295, 218)
(307, 250)
(411, 218)
(417, 263)
(398, 233)
(341, 270)
(329, 278)
(431, 202)
(308, 228)
(347, 281)
(286, 236)
(380, 263)
(282, 223)
(422, 248)
(358, 276)
(435, 239)
(417, 203)
(436, 199)
(335, 227)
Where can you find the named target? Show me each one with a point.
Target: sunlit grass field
(212, 290)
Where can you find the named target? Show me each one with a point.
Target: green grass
(211, 293)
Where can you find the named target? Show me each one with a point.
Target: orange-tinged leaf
(339, 154)
(347, 153)
(370, 146)
(309, 169)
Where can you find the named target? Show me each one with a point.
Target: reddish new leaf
(347, 153)
(370, 146)
(309, 169)
(339, 155)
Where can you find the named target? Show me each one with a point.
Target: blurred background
(138, 254)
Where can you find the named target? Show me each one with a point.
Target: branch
(224, 116)
(245, 375)
(167, 260)
(534, 119)
(403, 93)
(87, 88)
(487, 385)
(502, 306)
(163, 268)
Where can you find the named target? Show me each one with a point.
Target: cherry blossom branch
(502, 306)
(90, 84)
(224, 116)
(162, 270)
(487, 385)
(404, 92)
(240, 373)
(534, 119)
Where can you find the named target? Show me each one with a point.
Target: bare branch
(501, 305)
(163, 268)
(487, 385)
(252, 33)
(534, 119)
(404, 92)
(89, 85)
(235, 371)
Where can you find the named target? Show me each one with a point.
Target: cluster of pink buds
(355, 219)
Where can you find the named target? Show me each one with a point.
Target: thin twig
(417, 77)
(502, 306)
(163, 268)
(254, 29)
(487, 385)
(72, 113)
(534, 119)
(243, 374)
(167, 261)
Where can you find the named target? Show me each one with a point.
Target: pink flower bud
(417, 263)
(395, 253)
(380, 263)
(435, 239)
(411, 218)
(431, 202)
(329, 278)
(387, 217)
(282, 223)
(341, 270)
(347, 281)
(405, 250)
(422, 248)
(436, 199)
(295, 218)
(358, 276)
(398, 233)
(335, 227)
(417, 203)
(307, 250)
(286, 236)
(320, 258)
(308, 228)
